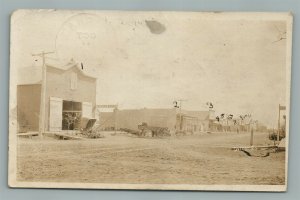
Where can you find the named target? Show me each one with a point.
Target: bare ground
(198, 159)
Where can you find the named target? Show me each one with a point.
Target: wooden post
(115, 116)
(251, 138)
(226, 124)
(180, 118)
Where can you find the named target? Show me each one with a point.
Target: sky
(150, 59)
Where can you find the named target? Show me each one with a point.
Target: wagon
(154, 131)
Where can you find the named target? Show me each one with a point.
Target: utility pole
(43, 93)
(115, 116)
(278, 129)
(180, 114)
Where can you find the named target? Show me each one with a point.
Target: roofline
(29, 84)
(134, 109)
(71, 66)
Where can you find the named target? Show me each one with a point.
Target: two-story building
(69, 96)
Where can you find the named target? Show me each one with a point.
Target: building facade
(186, 121)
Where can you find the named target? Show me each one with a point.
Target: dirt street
(198, 159)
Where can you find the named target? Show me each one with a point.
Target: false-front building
(70, 96)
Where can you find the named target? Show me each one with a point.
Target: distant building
(69, 92)
(105, 116)
(200, 120)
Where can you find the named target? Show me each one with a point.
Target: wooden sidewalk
(63, 136)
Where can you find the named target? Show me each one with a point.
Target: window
(73, 81)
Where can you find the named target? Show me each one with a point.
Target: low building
(70, 96)
(106, 121)
(186, 121)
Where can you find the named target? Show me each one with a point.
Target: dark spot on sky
(155, 27)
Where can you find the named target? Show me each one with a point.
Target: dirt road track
(205, 159)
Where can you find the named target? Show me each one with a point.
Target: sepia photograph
(149, 100)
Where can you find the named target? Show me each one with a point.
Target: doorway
(71, 115)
